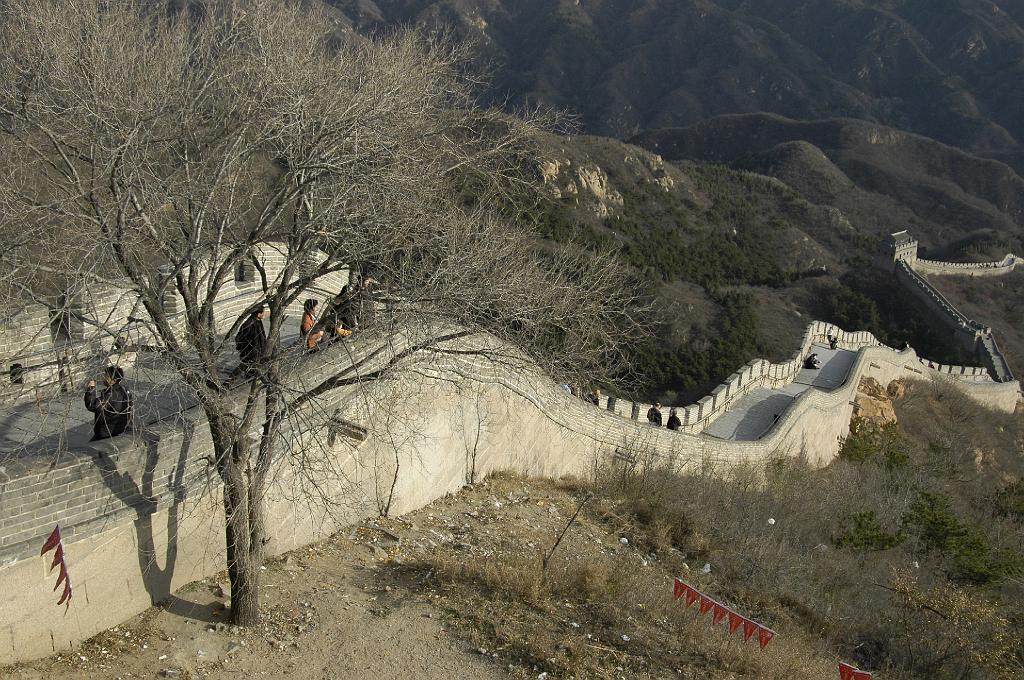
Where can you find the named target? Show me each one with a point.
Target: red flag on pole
(706, 604)
(735, 621)
(719, 614)
(748, 628)
(764, 636)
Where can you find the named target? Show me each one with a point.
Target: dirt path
(327, 617)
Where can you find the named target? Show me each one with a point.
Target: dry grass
(603, 609)
(826, 602)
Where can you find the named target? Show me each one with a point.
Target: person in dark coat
(251, 340)
(673, 420)
(654, 415)
(112, 408)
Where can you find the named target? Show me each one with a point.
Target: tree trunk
(244, 559)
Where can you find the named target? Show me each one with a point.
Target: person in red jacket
(309, 319)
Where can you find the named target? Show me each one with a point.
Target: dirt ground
(454, 590)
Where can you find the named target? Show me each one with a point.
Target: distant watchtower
(904, 247)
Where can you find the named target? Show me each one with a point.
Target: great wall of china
(141, 514)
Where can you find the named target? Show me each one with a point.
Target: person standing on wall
(673, 420)
(654, 415)
(112, 408)
(251, 341)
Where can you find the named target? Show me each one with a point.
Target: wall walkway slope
(142, 514)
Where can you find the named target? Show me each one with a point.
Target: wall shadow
(141, 496)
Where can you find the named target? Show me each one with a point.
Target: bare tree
(168, 147)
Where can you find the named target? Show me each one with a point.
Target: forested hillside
(948, 69)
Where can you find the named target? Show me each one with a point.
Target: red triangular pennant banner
(861, 675)
(735, 621)
(51, 542)
(764, 636)
(680, 588)
(845, 671)
(719, 614)
(691, 596)
(706, 604)
(748, 628)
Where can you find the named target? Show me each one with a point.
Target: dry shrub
(513, 577)
(956, 632)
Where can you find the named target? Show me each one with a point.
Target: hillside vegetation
(903, 557)
(735, 263)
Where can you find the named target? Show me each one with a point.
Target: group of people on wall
(352, 309)
(654, 417)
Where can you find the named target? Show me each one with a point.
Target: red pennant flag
(51, 542)
(764, 636)
(748, 628)
(706, 604)
(735, 621)
(680, 588)
(861, 675)
(691, 596)
(719, 614)
(845, 671)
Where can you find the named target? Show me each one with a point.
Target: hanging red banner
(764, 636)
(848, 672)
(735, 621)
(721, 612)
(54, 543)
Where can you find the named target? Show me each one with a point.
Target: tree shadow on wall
(144, 500)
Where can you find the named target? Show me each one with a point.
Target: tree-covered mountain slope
(949, 69)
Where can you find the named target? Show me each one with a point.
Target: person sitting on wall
(251, 339)
(654, 415)
(112, 408)
(335, 328)
(673, 420)
(812, 361)
(833, 342)
(594, 397)
(309, 319)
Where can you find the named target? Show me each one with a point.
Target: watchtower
(904, 248)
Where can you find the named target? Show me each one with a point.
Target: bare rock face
(587, 184)
(594, 180)
(873, 402)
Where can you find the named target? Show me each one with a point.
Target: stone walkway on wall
(61, 424)
(756, 412)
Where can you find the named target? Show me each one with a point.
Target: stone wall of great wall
(1000, 268)
(973, 336)
(141, 514)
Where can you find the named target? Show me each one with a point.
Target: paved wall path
(755, 413)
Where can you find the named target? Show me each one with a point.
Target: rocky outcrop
(875, 403)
